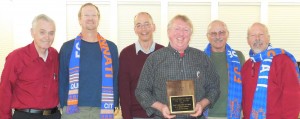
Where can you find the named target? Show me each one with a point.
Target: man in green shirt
(228, 63)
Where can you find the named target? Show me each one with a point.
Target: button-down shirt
(166, 64)
(138, 48)
(27, 81)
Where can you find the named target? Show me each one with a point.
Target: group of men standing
(87, 78)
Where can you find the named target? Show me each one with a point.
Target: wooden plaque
(180, 94)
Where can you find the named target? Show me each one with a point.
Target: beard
(258, 46)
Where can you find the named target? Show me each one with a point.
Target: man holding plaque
(178, 81)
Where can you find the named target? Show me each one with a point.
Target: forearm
(158, 106)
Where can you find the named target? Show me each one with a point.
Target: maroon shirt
(130, 67)
(283, 101)
(27, 81)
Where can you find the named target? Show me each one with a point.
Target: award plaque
(180, 94)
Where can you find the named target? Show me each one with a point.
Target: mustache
(258, 43)
(218, 39)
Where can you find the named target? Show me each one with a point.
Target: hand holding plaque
(180, 94)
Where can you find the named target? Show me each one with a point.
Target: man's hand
(163, 109)
(198, 110)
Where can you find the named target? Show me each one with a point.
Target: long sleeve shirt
(283, 96)
(27, 81)
(131, 64)
(167, 64)
(90, 73)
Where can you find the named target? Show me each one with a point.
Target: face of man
(89, 19)
(258, 38)
(144, 27)
(179, 35)
(43, 34)
(217, 36)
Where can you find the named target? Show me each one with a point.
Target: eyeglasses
(256, 36)
(215, 34)
(145, 25)
(90, 15)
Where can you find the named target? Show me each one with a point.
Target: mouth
(258, 44)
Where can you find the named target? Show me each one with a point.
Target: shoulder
(163, 50)
(240, 56)
(111, 44)
(128, 49)
(239, 53)
(69, 43)
(15, 53)
(282, 58)
(158, 46)
(53, 51)
(19, 53)
(67, 46)
(197, 53)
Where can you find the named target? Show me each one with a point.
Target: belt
(41, 112)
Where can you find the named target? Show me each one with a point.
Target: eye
(52, 33)
(42, 32)
(138, 25)
(213, 34)
(222, 33)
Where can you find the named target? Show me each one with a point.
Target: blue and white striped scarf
(259, 106)
(234, 84)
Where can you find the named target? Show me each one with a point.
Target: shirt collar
(138, 48)
(175, 51)
(34, 54)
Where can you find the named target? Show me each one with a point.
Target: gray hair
(183, 18)
(260, 24)
(41, 17)
(217, 21)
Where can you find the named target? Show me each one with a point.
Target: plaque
(180, 94)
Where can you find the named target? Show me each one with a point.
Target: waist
(39, 111)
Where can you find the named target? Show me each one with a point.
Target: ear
(154, 27)
(248, 41)
(32, 32)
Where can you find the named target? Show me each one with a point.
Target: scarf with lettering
(107, 94)
(234, 84)
(259, 106)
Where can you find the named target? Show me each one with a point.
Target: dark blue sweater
(89, 75)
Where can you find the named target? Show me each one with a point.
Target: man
(29, 80)
(88, 71)
(271, 79)
(228, 64)
(176, 62)
(132, 59)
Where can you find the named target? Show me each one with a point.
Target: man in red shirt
(271, 80)
(29, 82)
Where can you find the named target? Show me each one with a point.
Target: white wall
(16, 19)
(282, 16)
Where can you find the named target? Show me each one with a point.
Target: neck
(218, 50)
(89, 36)
(146, 45)
(42, 53)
